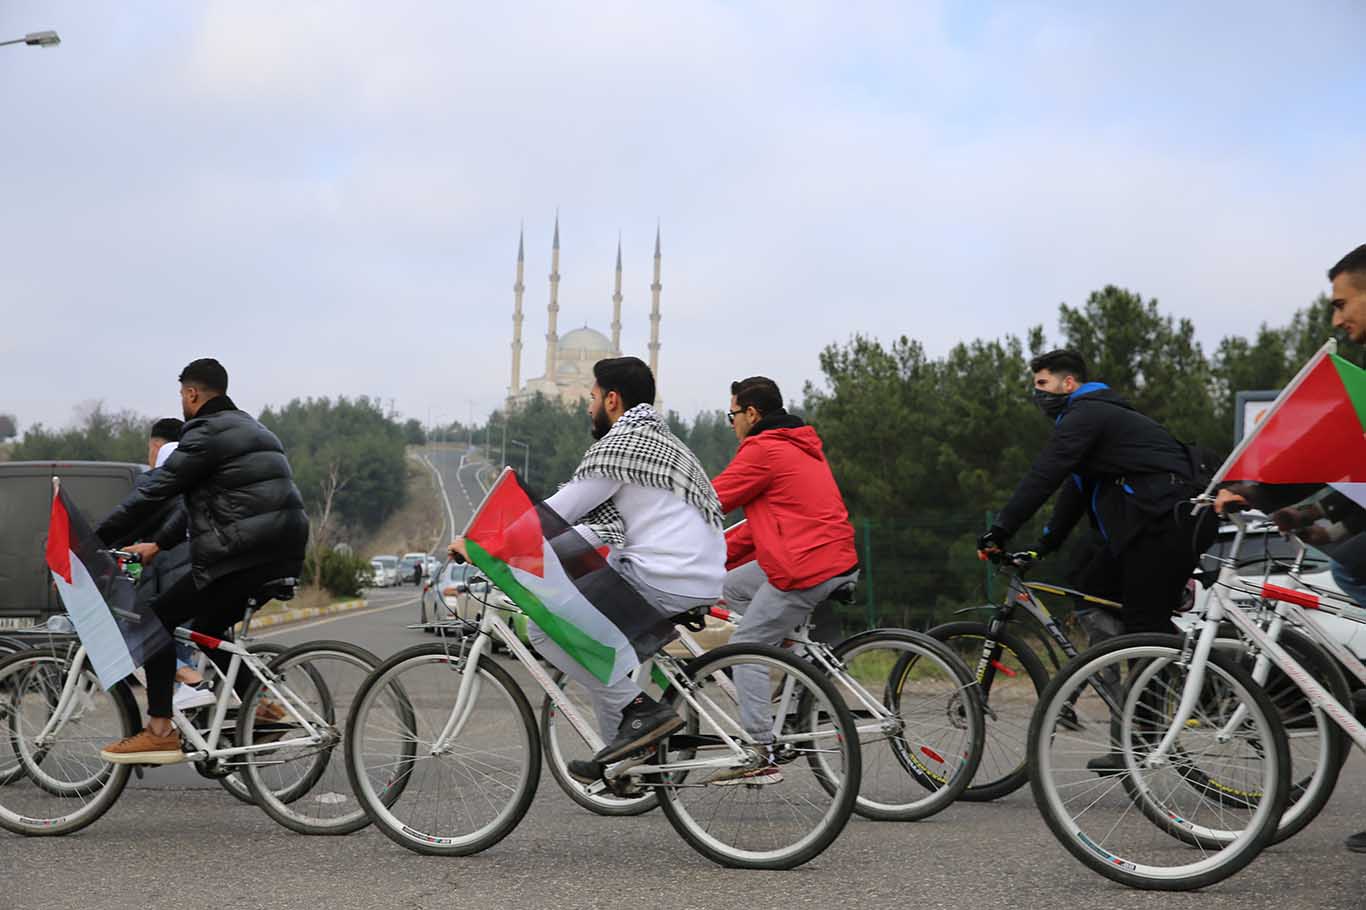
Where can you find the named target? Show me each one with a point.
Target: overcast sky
(326, 196)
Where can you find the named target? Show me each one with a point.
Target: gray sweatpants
(610, 700)
(770, 615)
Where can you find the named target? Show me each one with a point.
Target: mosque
(569, 358)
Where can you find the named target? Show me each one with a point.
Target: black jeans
(1155, 566)
(214, 610)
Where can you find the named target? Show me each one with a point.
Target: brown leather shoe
(145, 748)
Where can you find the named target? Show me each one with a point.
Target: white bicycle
(457, 775)
(1208, 760)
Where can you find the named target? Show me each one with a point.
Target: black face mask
(1051, 403)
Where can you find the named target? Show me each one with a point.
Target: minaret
(616, 305)
(517, 289)
(552, 338)
(655, 287)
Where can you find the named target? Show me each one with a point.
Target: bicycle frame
(1218, 609)
(205, 748)
(818, 653)
(491, 627)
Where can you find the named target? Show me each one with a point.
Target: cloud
(327, 196)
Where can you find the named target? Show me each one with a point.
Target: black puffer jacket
(241, 506)
(1129, 470)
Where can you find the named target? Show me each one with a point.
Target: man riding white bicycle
(1348, 302)
(641, 491)
(246, 524)
(795, 549)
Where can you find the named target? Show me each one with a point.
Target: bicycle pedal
(614, 770)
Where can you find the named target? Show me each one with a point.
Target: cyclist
(639, 489)
(1131, 475)
(1348, 277)
(246, 524)
(794, 550)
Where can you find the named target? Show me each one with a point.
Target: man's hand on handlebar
(991, 543)
(457, 550)
(1227, 501)
(145, 552)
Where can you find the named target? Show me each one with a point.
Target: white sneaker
(187, 697)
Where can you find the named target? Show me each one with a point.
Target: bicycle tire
(999, 773)
(233, 783)
(115, 777)
(929, 763)
(379, 806)
(835, 817)
(606, 803)
(279, 805)
(1145, 653)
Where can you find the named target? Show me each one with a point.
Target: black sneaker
(1357, 842)
(586, 772)
(1105, 765)
(643, 722)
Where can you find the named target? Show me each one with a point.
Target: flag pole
(1329, 348)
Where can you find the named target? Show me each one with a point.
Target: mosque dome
(585, 341)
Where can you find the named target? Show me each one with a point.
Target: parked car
(94, 487)
(461, 590)
(386, 571)
(411, 565)
(1265, 543)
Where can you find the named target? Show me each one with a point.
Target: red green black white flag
(562, 583)
(117, 633)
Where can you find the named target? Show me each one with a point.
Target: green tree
(98, 435)
(347, 456)
(413, 432)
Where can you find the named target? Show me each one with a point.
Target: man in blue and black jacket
(1129, 474)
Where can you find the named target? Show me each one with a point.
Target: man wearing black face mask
(1129, 474)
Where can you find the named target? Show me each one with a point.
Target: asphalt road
(176, 840)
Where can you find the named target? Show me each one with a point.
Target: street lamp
(526, 463)
(37, 39)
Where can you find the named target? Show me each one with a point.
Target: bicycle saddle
(694, 620)
(844, 593)
(278, 589)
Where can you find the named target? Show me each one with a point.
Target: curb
(298, 614)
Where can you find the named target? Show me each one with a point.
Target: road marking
(441, 482)
(318, 622)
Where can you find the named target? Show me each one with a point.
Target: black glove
(994, 539)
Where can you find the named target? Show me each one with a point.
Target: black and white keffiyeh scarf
(641, 449)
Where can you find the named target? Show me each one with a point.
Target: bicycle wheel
(1132, 826)
(920, 724)
(233, 783)
(1009, 697)
(774, 825)
(65, 785)
(296, 782)
(471, 792)
(562, 744)
(1318, 747)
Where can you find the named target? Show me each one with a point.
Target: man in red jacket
(794, 550)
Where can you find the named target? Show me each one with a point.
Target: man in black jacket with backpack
(246, 525)
(1129, 474)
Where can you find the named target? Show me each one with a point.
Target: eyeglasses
(730, 415)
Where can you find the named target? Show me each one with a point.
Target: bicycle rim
(919, 723)
(66, 784)
(563, 744)
(1150, 827)
(465, 797)
(1008, 705)
(776, 825)
(301, 782)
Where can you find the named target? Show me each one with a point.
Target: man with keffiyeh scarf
(640, 490)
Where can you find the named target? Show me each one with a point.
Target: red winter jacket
(796, 524)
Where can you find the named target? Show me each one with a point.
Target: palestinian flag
(1313, 434)
(563, 584)
(118, 635)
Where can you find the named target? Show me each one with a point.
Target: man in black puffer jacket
(246, 524)
(1132, 477)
